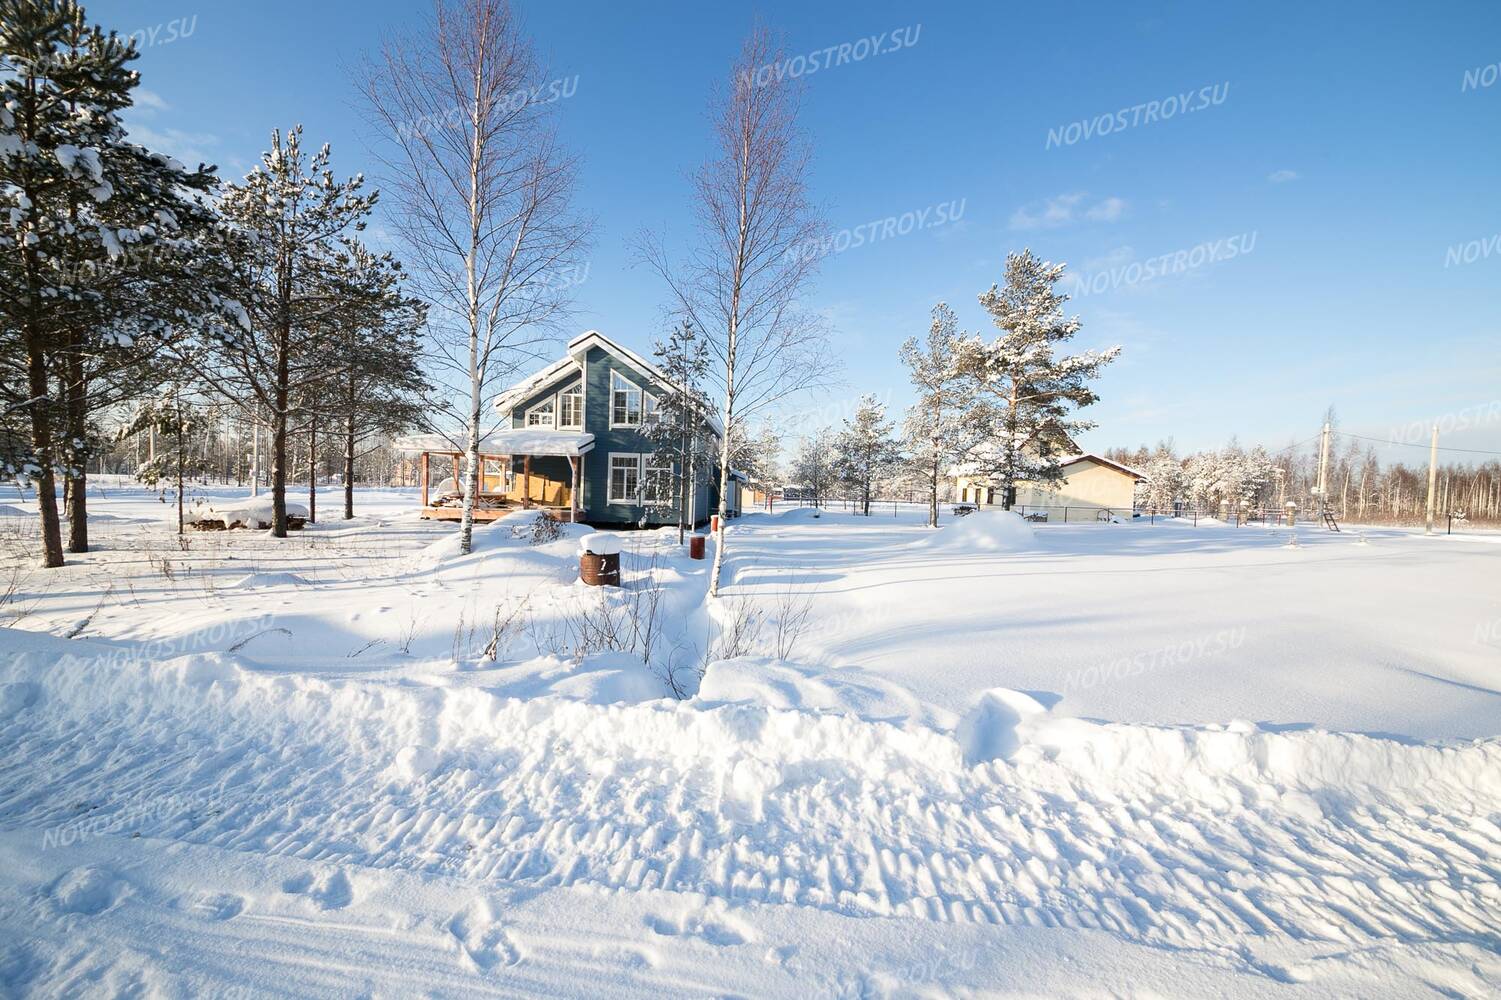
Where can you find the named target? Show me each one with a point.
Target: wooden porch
(508, 483)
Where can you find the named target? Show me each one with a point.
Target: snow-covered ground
(1082, 760)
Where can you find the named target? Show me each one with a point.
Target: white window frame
(640, 403)
(633, 497)
(577, 390)
(649, 461)
(551, 406)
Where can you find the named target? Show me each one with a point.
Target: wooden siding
(594, 502)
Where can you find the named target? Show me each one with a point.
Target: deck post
(526, 481)
(425, 456)
(573, 490)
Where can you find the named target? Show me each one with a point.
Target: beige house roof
(970, 469)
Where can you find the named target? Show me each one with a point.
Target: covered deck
(520, 469)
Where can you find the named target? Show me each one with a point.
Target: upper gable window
(625, 401)
(571, 408)
(543, 414)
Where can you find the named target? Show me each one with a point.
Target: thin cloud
(1066, 209)
(147, 101)
(1282, 176)
(192, 148)
(1108, 210)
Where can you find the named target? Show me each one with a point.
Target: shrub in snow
(541, 529)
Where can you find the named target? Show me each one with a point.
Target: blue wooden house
(570, 441)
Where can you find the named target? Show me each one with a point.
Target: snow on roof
(577, 348)
(1071, 459)
(519, 441)
(521, 390)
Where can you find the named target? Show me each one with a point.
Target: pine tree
(1031, 393)
(935, 430)
(813, 465)
(80, 312)
(676, 426)
(381, 386)
(1164, 486)
(292, 218)
(179, 425)
(865, 450)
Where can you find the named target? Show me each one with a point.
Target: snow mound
(267, 580)
(600, 679)
(249, 512)
(988, 731)
(600, 543)
(415, 762)
(984, 531)
(17, 696)
(518, 529)
(781, 685)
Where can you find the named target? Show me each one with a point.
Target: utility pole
(1432, 477)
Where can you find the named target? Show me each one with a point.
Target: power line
(1409, 444)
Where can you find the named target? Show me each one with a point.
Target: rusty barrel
(696, 547)
(600, 570)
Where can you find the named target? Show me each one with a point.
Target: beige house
(1093, 488)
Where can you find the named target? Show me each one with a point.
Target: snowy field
(1096, 760)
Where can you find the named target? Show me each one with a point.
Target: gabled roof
(578, 348)
(1102, 460)
(974, 468)
(508, 399)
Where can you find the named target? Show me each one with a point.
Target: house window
(625, 401)
(657, 479)
(625, 478)
(571, 407)
(541, 415)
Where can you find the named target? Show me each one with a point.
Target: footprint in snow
(721, 935)
(482, 938)
(331, 891)
(217, 905)
(86, 891)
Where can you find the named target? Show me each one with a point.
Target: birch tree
(742, 282)
(483, 194)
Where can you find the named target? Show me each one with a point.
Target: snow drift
(1184, 837)
(983, 531)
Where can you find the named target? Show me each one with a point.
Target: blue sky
(1348, 152)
